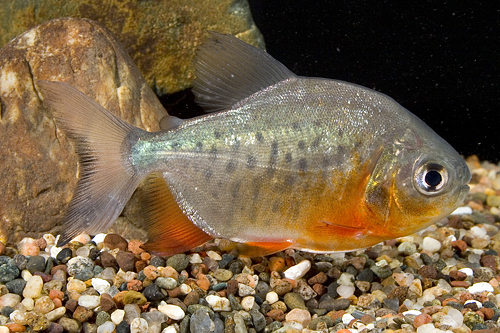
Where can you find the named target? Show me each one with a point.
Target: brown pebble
(53, 294)
(276, 264)
(489, 261)
(488, 313)
(3, 248)
(319, 289)
(135, 285)
(232, 286)
(463, 284)
(126, 260)
(151, 272)
(318, 278)
(114, 241)
(446, 301)
(107, 303)
(422, 319)
(139, 265)
(107, 259)
(366, 319)
(41, 243)
(45, 277)
(202, 281)
(402, 308)
(457, 275)
(15, 327)
(428, 271)
(118, 298)
(176, 292)
(459, 245)
(57, 302)
(146, 256)
(71, 305)
(357, 262)
(82, 314)
(336, 314)
(467, 240)
(276, 314)
(430, 310)
(191, 298)
(54, 269)
(134, 246)
(399, 293)
(455, 221)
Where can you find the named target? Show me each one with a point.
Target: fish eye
(431, 178)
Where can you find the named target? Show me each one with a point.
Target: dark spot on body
(276, 206)
(289, 180)
(213, 153)
(231, 166)
(296, 126)
(274, 153)
(235, 188)
(302, 164)
(174, 145)
(315, 143)
(207, 174)
(199, 146)
(251, 161)
(217, 134)
(302, 145)
(327, 161)
(288, 157)
(259, 137)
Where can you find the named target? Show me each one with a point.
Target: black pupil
(433, 178)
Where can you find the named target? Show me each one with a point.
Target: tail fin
(107, 178)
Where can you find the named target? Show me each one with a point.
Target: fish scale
(281, 161)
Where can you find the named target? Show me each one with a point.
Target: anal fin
(260, 249)
(170, 231)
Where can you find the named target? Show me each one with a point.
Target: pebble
(117, 316)
(480, 287)
(218, 303)
(294, 300)
(200, 322)
(33, 287)
(139, 325)
(107, 327)
(303, 317)
(431, 245)
(172, 311)
(297, 271)
(272, 297)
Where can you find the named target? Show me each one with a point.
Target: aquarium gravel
(442, 279)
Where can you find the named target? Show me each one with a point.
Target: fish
(278, 161)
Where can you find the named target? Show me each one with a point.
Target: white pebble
(99, 238)
(102, 286)
(347, 318)
(172, 311)
(185, 289)
(244, 290)
(89, 301)
(427, 328)
(467, 271)
(56, 313)
(272, 297)
(28, 303)
(9, 300)
(26, 275)
(54, 251)
(466, 210)
(346, 279)
(478, 232)
(431, 245)
(346, 291)
(218, 303)
(247, 303)
(478, 304)
(139, 325)
(480, 287)
(171, 329)
(117, 316)
(297, 271)
(4, 329)
(195, 259)
(412, 313)
(33, 287)
(107, 327)
(454, 318)
(214, 255)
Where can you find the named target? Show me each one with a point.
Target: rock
(89, 301)
(179, 262)
(80, 265)
(301, 316)
(16, 286)
(153, 293)
(114, 241)
(134, 297)
(218, 303)
(33, 287)
(8, 270)
(106, 327)
(139, 325)
(334, 304)
(172, 311)
(431, 245)
(70, 325)
(77, 51)
(201, 322)
(126, 260)
(297, 271)
(35, 264)
(294, 300)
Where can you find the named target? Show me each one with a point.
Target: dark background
(439, 59)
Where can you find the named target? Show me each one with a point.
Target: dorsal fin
(169, 230)
(229, 70)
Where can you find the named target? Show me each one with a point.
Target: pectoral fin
(170, 231)
(260, 249)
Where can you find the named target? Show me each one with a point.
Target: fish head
(418, 179)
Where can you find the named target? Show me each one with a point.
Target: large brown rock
(38, 166)
(160, 35)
